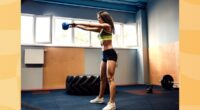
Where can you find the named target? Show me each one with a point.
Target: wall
(32, 75)
(143, 58)
(163, 39)
(127, 70)
(40, 8)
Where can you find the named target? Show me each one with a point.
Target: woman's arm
(88, 28)
(98, 25)
(92, 26)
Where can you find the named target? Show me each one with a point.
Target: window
(60, 36)
(42, 29)
(117, 37)
(94, 38)
(81, 37)
(130, 37)
(27, 29)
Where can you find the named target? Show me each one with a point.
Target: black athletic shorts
(109, 54)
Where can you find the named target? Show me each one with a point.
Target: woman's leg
(111, 65)
(103, 79)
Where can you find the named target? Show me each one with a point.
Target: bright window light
(94, 38)
(38, 29)
(43, 26)
(117, 39)
(130, 37)
(27, 29)
(60, 36)
(81, 37)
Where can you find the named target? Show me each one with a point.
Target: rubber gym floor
(128, 98)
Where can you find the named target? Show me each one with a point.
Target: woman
(105, 28)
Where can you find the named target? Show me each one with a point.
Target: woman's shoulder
(107, 28)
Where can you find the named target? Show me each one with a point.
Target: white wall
(32, 75)
(126, 71)
(163, 37)
(163, 21)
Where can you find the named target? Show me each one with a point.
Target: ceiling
(131, 6)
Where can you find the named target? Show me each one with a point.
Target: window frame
(52, 33)
(53, 29)
(33, 31)
(89, 33)
(50, 30)
(124, 39)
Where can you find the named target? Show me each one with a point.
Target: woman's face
(99, 19)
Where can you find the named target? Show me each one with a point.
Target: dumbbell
(149, 89)
(167, 82)
(65, 26)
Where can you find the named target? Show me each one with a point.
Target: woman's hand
(73, 25)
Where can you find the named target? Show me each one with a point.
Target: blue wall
(40, 8)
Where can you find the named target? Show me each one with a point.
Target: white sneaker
(97, 100)
(110, 106)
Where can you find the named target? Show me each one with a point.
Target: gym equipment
(149, 89)
(65, 26)
(167, 82)
(84, 85)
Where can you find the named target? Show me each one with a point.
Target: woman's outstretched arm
(96, 27)
(88, 28)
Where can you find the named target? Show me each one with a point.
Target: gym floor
(128, 98)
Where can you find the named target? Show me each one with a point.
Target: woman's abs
(106, 44)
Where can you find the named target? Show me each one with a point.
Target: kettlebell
(65, 26)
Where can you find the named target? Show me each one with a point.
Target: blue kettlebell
(65, 26)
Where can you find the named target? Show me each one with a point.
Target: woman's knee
(110, 79)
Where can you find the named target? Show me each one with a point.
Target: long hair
(105, 16)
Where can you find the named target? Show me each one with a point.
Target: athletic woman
(105, 28)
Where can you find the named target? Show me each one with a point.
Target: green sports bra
(104, 35)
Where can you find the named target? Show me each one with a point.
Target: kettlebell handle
(66, 26)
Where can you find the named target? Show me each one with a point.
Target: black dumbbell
(167, 82)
